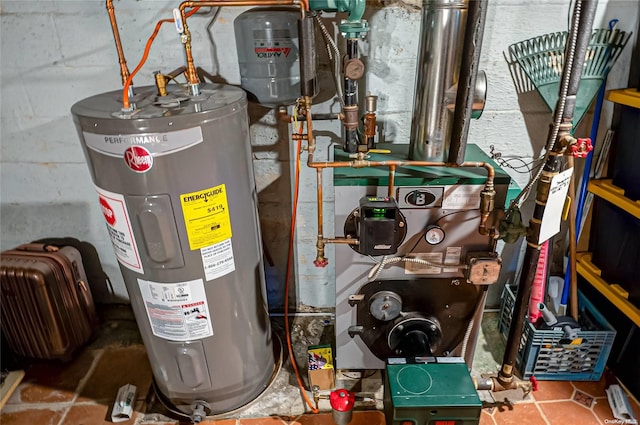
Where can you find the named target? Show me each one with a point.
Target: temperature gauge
(434, 234)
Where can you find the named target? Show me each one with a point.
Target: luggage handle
(87, 300)
(37, 247)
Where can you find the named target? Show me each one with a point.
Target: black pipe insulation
(472, 44)
(307, 47)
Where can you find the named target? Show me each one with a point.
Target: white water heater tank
(176, 187)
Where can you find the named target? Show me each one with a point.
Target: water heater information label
(217, 260)
(115, 214)
(177, 311)
(206, 216)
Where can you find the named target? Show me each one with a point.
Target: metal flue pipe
(439, 56)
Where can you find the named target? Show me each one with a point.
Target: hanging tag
(178, 20)
(555, 204)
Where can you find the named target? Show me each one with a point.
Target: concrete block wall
(54, 53)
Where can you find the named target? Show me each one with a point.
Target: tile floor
(82, 392)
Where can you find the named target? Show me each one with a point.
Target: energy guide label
(206, 216)
(177, 311)
(218, 260)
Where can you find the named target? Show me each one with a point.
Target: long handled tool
(542, 59)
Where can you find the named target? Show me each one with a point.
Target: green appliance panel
(431, 393)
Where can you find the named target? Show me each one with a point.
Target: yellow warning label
(206, 216)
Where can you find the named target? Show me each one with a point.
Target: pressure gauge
(434, 234)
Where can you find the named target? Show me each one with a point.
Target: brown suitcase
(47, 308)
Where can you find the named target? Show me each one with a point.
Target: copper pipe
(311, 145)
(321, 260)
(392, 178)
(362, 163)
(124, 71)
(192, 74)
(402, 163)
(347, 241)
(573, 277)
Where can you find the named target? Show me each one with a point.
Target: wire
(292, 357)
(377, 268)
(334, 58)
(562, 100)
(145, 55)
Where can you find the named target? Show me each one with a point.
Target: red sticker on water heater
(138, 158)
(107, 211)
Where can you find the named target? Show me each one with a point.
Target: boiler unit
(418, 287)
(175, 184)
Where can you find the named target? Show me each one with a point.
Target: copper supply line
(191, 74)
(487, 196)
(124, 71)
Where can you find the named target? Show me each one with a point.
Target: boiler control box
(379, 226)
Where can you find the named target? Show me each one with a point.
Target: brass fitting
(316, 395)
(370, 125)
(161, 83)
(321, 260)
(487, 204)
(350, 117)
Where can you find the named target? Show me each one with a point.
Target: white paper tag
(552, 215)
(123, 406)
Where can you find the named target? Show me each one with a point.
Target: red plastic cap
(342, 400)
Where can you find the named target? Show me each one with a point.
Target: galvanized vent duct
(440, 59)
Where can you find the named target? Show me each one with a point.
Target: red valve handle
(321, 263)
(581, 148)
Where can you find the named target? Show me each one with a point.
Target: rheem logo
(138, 158)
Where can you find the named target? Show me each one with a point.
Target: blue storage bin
(546, 354)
